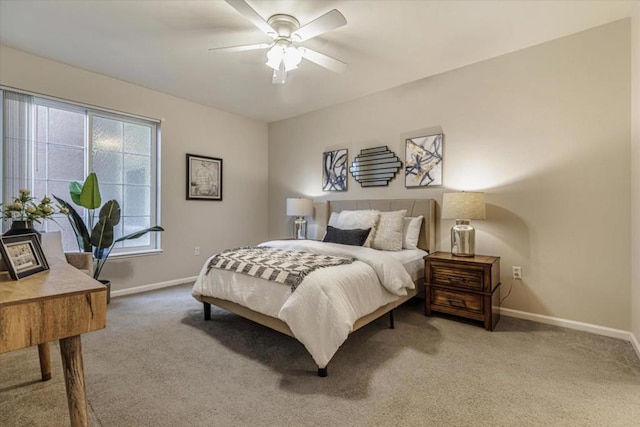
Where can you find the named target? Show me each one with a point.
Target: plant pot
(107, 283)
(22, 227)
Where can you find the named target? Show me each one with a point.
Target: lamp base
(463, 239)
(300, 228)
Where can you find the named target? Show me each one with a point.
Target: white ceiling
(163, 45)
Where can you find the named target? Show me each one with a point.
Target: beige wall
(186, 128)
(635, 170)
(543, 131)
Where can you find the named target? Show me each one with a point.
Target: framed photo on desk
(22, 254)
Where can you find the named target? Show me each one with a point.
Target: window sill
(121, 255)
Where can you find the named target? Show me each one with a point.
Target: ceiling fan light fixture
(283, 55)
(292, 57)
(279, 76)
(274, 56)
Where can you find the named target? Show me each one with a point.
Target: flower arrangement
(25, 208)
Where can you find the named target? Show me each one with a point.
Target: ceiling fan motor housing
(285, 25)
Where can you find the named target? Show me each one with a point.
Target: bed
(329, 303)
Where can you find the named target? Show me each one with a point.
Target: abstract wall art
(334, 170)
(423, 161)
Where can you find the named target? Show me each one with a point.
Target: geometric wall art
(423, 161)
(334, 170)
(375, 167)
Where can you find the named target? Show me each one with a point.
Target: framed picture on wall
(204, 178)
(22, 255)
(334, 170)
(423, 161)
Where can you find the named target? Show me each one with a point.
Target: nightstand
(463, 286)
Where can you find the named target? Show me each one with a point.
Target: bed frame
(426, 241)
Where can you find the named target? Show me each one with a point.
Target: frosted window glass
(61, 190)
(107, 134)
(137, 201)
(137, 169)
(111, 192)
(39, 189)
(65, 163)
(108, 166)
(66, 127)
(133, 224)
(137, 139)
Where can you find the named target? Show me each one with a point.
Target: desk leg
(71, 352)
(45, 361)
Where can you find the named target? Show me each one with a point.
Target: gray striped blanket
(277, 265)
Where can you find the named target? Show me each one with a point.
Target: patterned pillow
(411, 232)
(388, 236)
(362, 219)
(353, 237)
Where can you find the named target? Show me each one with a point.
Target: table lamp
(463, 207)
(299, 208)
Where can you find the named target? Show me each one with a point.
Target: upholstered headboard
(414, 207)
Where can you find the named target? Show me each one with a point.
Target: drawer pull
(456, 301)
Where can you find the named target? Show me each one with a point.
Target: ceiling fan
(285, 53)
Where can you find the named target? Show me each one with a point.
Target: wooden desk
(59, 304)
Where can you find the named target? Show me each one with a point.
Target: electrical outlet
(196, 250)
(517, 272)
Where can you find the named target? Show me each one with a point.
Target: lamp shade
(463, 205)
(299, 207)
(274, 56)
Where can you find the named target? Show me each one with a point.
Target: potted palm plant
(96, 236)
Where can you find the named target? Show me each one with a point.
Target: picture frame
(334, 170)
(424, 161)
(23, 255)
(204, 178)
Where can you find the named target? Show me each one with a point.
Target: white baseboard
(572, 324)
(152, 286)
(635, 344)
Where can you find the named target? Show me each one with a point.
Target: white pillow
(51, 243)
(388, 235)
(411, 232)
(348, 220)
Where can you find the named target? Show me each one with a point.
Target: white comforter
(323, 309)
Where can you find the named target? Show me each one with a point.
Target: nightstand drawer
(453, 275)
(457, 300)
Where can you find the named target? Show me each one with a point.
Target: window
(48, 143)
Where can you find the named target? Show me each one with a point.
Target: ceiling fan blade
(243, 7)
(325, 61)
(327, 22)
(243, 47)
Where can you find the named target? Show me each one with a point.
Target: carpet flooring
(158, 363)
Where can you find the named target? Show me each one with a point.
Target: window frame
(90, 112)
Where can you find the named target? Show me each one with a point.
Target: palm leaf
(139, 233)
(79, 228)
(75, 189)
(90, 196)
(102, 234)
